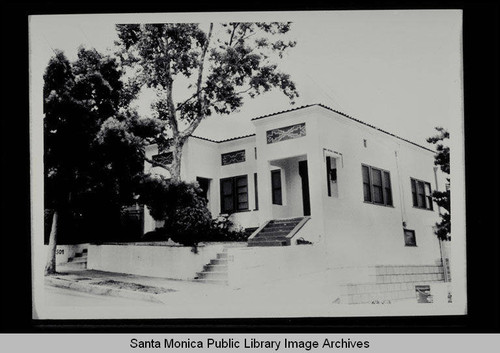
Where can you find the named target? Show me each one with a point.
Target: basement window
(409, 236)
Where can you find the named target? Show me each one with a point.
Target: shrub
(223, 229)
(182, 207)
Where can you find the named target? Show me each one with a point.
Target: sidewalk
(183, 298)
(145, 288)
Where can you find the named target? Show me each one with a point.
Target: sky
(400, 71)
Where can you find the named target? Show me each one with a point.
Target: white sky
(397, 70)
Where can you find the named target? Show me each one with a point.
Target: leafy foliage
(442, 198)
(184, 211)
(92, 151)
(217, 65)
(223, 229)
(180, 205)
(442, 157)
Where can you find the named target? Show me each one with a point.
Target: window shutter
(227, 204)
(328, 170)
(378, 196)
(367, 192)
(276, 186)
(387, 189)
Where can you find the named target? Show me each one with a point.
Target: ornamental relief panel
(286, 133)
(233, 157)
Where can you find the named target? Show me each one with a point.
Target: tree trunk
(50, 267)
(175, 167)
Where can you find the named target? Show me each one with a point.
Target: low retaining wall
(389, 283)
(66, 252)
(258, 265)
(152, 259)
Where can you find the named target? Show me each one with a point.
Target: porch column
(315, 170)
(264, 190)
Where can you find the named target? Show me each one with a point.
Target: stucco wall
(202, 158)
(66, 252)
(354, 232)
(248, 218)
(359, 232)
(259, 265)
(177, 262)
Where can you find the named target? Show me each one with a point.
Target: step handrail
(258, 230)
(298, 227)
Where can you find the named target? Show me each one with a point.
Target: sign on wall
(233, 157)
(286, 133)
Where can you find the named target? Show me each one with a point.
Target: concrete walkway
(195, 299)
(126, 285)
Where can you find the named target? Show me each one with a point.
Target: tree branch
(170, 101)
(199, 91)
(232, 34)
(195, 94)
(156, 164)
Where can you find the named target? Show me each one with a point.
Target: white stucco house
(360, 195)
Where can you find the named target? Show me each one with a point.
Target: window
(421, 194)
(276, 186)
(234, 194)
(410, 239)
(376, 185)
(331, 176)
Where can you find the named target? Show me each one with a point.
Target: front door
(306, 203)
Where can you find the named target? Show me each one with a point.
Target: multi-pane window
(376, 185)
(276, 187)
(421, 194)
(234, 194)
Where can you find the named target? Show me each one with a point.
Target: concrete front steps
(215, 272)
(78, 262)
(275, 232)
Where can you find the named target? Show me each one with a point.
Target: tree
(442, 198)
(91, 140)
(217, 66)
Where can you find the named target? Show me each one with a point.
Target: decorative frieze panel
(286, 133)
(233, 157)
(164, 158)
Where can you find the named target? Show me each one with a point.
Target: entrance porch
(290, 196)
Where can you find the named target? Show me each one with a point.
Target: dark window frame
(384, 187)
(235, 192)
(421, 200)
(276, 189)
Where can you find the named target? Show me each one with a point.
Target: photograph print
(247, 165)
